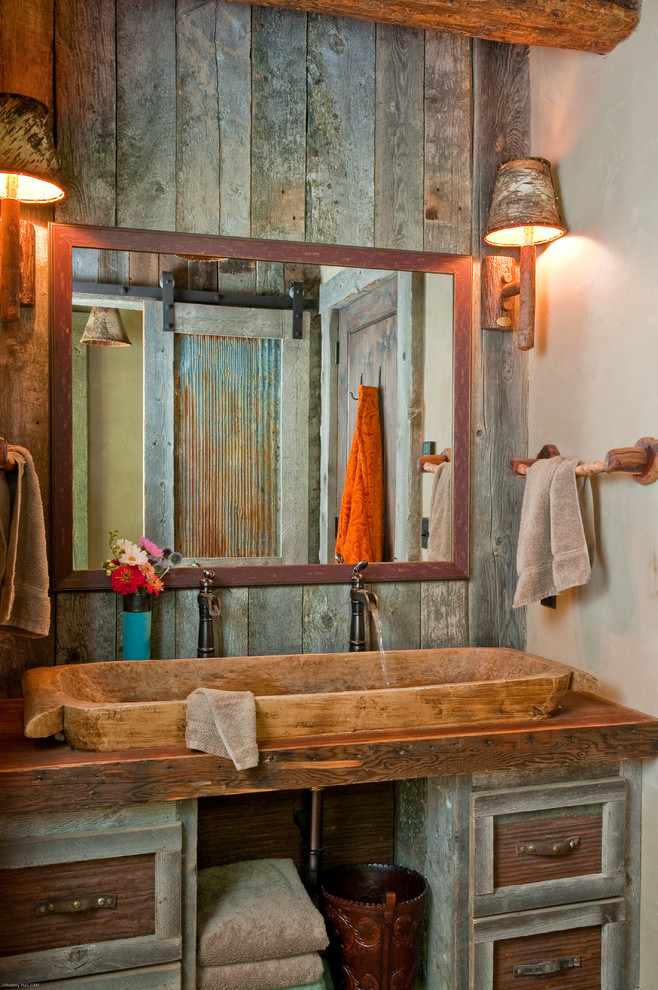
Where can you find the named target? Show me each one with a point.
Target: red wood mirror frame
(64, 238)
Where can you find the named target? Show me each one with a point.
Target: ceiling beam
(586, 25)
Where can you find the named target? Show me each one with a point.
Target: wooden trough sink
(141, 704)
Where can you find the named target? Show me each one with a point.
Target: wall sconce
(524, 212)
(29, 173)
(105, 327)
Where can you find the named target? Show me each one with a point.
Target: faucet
(208, 606)
(359, 597)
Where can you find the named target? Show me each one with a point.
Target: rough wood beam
(586, 25)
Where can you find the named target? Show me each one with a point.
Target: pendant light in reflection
(105, 327)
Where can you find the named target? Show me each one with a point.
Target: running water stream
(373, 607)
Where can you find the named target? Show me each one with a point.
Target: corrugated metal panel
(227, 446)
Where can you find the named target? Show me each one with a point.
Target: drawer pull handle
(548, 848)
(546, 968)
(75, 904)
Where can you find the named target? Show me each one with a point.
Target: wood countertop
(43, 774)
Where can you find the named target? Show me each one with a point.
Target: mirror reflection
(261, 414)
(247, 453)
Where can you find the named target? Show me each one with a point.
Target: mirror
(248, 478)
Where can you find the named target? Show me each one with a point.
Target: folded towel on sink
(258, 910)
(223, 723)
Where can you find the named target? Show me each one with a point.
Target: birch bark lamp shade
(524, 212)
(29, 173)
(105, 327)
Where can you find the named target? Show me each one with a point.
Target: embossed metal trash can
(374, 917)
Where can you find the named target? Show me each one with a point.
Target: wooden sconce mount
(17, 262)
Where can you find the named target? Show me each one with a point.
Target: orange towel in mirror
(360, 524)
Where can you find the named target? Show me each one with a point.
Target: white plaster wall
(593, 372)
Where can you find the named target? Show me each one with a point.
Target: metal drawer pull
(549, 848)
(546, 968)
(75, 904)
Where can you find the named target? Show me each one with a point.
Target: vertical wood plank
(86, 627)
(399, 610)
(398, 186)
(197, 118)
(85, 52)
(146, 116)
(447, 227)
(340, 140)
(158, 428)
(448, 143)
(631, 770)
(275, 620)
(278, 124)
(432, 836)
(231, 630)
(185, 623)
(326, 618)
(500, 373)
(233, 34)
(444, 614)
(187, 813)
(163, 615)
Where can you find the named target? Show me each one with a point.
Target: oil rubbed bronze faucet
(208, 606)
(360, 598)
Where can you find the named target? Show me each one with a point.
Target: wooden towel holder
(641, 461)
(7, 461)
(430, 462)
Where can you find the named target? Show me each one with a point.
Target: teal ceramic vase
(137, 627)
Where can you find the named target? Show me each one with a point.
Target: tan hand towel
(572, 526)
(223, 723)
(24, 601)
(439, 544)
(256, 910)
(270, 974)
(556, 531)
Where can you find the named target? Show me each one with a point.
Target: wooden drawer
(76, 903)
(558, 960)
(556, 844)
(576, 947)
(52, 922)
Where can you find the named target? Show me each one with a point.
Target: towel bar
(641, 461)
(430, 462)
(7, 461)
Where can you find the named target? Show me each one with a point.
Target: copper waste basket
(374, 917)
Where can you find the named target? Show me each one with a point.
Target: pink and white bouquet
(138, 568)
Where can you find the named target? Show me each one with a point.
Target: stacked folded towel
(257, 928)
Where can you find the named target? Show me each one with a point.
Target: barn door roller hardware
(169, 294)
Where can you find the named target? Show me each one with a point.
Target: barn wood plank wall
(277, 123)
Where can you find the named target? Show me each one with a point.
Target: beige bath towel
(256, 910)
(556, 535)
(439, 544)
(270, 974)
(223, 723)
(24, 601)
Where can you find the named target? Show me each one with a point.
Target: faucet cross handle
(357, 580)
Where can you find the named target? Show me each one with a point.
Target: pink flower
(150, 547)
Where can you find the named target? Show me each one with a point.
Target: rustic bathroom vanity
(527, 831)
